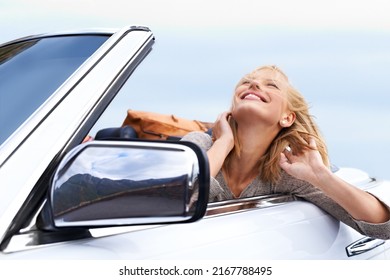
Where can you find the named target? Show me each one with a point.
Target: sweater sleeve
(306, 191)
(202, 139)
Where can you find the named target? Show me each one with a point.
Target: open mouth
(253, 96)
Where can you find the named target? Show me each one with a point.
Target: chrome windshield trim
(78, 32)
(246, 204)
(58, 34)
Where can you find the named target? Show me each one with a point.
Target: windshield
(32, 70)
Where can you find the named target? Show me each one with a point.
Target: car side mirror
(117, 183)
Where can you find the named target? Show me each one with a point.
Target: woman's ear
(288, 120)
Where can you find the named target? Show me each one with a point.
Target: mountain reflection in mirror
(119, 182)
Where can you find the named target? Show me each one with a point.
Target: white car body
(253, 228)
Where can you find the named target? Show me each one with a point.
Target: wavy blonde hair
(296, 136)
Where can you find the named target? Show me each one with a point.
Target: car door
(271, 230)
(271, 227)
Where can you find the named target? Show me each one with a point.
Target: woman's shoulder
(200, 138)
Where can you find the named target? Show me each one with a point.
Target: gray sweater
(287, 184)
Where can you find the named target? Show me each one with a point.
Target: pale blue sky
(337, 53)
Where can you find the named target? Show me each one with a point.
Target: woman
(269, 143)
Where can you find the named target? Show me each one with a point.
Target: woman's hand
(223, 131)
(307, 166)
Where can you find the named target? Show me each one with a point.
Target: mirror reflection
(106, 181)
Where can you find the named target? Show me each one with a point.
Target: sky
(26, 16)
(336, 52)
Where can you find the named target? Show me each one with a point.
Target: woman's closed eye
(272, 85)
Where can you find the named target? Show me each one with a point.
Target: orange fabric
(151, 125)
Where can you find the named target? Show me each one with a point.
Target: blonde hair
(296, 136)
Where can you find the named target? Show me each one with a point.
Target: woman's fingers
(222, 126)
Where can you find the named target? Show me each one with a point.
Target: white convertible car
(61, 198)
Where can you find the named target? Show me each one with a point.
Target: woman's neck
(240, 170)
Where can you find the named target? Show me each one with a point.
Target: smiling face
(261, 97)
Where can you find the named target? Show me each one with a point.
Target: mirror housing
(137, 182)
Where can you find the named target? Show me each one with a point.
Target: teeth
(252, 96)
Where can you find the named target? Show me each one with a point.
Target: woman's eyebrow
(271, 80)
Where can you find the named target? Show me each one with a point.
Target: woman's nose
(254, 85)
